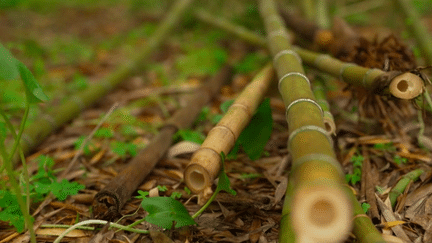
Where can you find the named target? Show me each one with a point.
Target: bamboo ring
(284, 52)
(292, 73)
(303, 100)
(321, 157)
(308, 128)
(320, 58)
(367, 73)
(280, 32)
(345, 66)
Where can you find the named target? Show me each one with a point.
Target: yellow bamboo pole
(205, 163)
(316, 207)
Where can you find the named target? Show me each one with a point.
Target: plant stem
(399, 188)
(205, 205)
(96, 221)
(13, 180)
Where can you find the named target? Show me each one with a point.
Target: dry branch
(316, 207)
(206, 162)
(109, 201)
(63, 113)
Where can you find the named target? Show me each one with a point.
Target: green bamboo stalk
(418, 30)
(399, 188)
(221, 23)
(63, 113)
(401, 85)
(319, 90)
(316, 207)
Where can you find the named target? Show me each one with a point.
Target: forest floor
(70, 47)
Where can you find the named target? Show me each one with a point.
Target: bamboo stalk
(399, 188)
(109, 201)
(418, 30)
(205, 163)
(403, 85)
(63, 113)
(316, 207)
(320, 96)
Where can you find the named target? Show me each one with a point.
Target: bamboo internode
(316, 207)
(319, 92)
(206, 162)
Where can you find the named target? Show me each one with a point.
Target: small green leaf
(189, 135)
(104, 133)
(162, 188)
(65, 188)
(11, 211)
(379, 189)
(164, 210)
(226, 105)
(142, 194)
(34, 92)
(121, 148)
(365, 207)
(176, 195)
(187, 190)
(224, 184)
(8, 65)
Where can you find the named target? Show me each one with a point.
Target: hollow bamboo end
(197, 178)
(330, 127)
(321, 214)
(406, 86)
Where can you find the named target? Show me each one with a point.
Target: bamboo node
(367, 73)
(303, 100)
(321, 58)
(345, 66)
(284, 52)
(289, 74)
(320, 157)
(308, 128)
(406, 86)
(280, 32)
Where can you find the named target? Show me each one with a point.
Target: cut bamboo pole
(205, 163)
(316, 208)
(399, 188)
(404, 85)
(110, 200)
(418, 30)
(320, 96)
(63, 113)
(363, 229)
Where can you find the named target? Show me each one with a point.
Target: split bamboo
(319, 92)
(415, 26)
(205, 163)
(316, 207)
(63, 113)
(110, 200)
(403, 85)
(399, 188)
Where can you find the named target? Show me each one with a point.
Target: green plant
(189, 135)
(385, 146)
(365, 207)
(122, 148)
(357, 161)
(166, 211)
(399, 160)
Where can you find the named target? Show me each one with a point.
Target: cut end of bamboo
(406, 86)
(321, 214)
(324, 38)
(329, 123)
(197, 178)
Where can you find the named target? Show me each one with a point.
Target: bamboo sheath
(316, 208)
(60, 114)
(205, 163)
(363, 229)
(401, 85)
